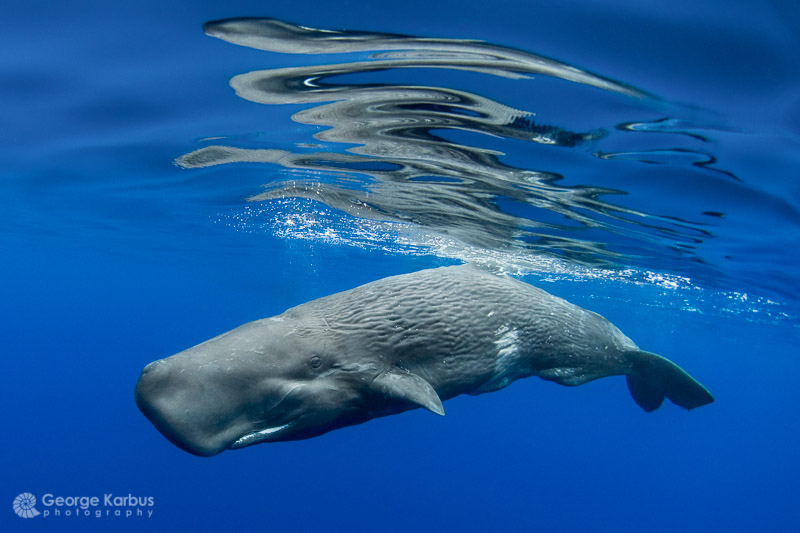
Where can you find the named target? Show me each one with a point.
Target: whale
(395, 344)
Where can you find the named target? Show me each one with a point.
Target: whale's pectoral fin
(654, 378)
(403, 385)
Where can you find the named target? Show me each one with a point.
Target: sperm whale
(395, 344)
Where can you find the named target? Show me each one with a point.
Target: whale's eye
(316, 361)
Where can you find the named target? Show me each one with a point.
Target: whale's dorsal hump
(404, 385)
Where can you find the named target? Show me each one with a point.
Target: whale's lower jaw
(258, 436)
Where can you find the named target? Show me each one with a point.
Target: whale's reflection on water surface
(440, 164)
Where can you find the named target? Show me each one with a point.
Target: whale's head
(265, 381)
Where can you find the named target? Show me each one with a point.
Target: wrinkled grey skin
(389, 346)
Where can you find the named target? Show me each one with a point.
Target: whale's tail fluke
(654, 378)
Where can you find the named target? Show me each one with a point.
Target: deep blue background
(111, 259)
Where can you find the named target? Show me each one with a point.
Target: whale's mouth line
(261, 435)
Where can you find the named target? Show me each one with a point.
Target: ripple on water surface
(592, 174)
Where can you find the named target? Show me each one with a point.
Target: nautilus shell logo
(25, 505)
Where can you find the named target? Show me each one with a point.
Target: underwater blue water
(114, 254)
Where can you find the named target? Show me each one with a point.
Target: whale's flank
(654, 378)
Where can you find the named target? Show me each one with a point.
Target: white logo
(107, 505)
(25, 505)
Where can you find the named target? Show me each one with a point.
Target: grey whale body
(392, 345)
